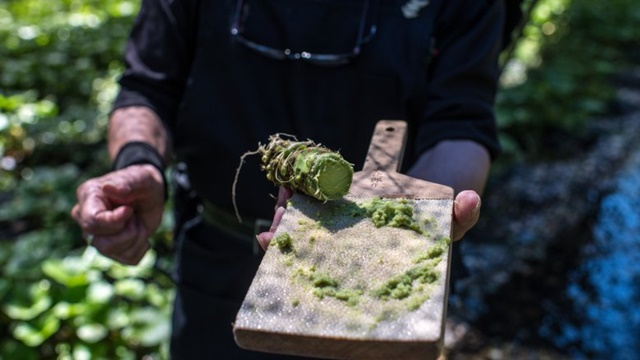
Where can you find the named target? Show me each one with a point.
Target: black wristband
(138, 153)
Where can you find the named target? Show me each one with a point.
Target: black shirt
(220, 99)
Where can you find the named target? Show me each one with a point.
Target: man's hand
(464, 165)
(119, 211)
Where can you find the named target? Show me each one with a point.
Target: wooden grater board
(283, 313)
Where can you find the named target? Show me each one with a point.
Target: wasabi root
(305, 167)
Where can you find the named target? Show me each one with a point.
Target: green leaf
(64, 310)
(26, 305)
(100, 292)
(70, 271)
(118, 317)
(133, 289)
(92, 333)
(13, 349)
(149, 327)
(36, 332)
(143, 270)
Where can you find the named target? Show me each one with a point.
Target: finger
(75, 213)
(116, 244)
(134, 254)
(264, 239)
(466, 211)
(277, 217)
(284, 194)
(93, 201)
(121, 192)
(133, 182)
(107, 222)
(89, 204)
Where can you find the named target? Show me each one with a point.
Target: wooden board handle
(380, 175)
(387, 146)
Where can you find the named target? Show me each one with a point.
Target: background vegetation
(561, 75)
(59, 60)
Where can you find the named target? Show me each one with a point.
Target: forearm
(461, 164)
(137, 123)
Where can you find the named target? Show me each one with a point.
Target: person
(207, 81)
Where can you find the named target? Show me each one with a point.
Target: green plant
(59, 298)
(560, 75)
(82, 303)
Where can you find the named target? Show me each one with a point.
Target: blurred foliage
(560, 75)
(59, 61)
(59, 299)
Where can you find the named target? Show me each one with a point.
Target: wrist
(141, 153)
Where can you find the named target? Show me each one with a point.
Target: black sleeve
(464, 75)
(158, 57)
(513, 20)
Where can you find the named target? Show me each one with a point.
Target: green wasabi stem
(306, 167)
(303, 166)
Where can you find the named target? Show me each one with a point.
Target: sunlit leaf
(157, 296)
(92, 333)
(142, 270)
(148, 327)
(28, 304)
(64, 310)
(125, 353)
(100, 292)
(36, 332)
(81, 352)
(118, 318)
(69, 272)
(133, 289)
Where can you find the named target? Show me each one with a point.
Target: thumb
(120, 214)
(284, 194)
(265, 238)
(466, 212)
(119, 192)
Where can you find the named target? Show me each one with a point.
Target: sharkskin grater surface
(360, 258)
